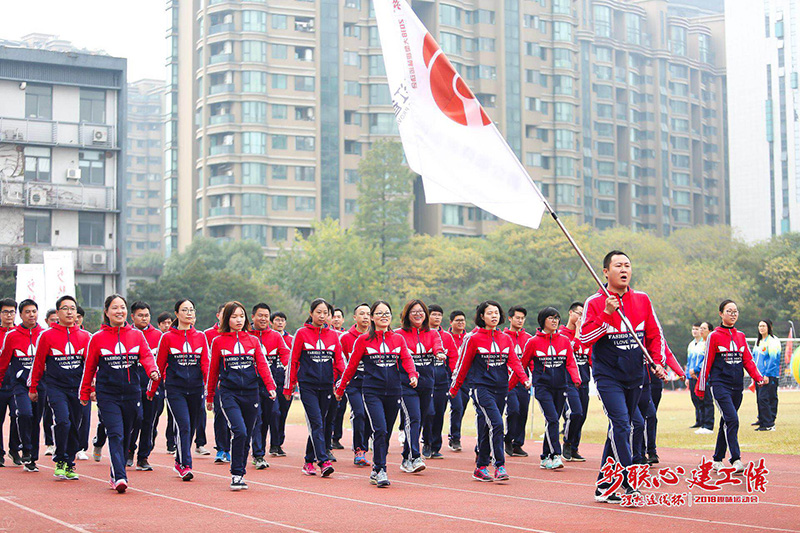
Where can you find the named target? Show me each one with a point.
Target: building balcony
(220, 28)
(58, 133)
(45, 195)
(221, 211)
(220, 58)
(224, 179)
(87, 260)
(220, 149)
(220, 119)
(221, 88)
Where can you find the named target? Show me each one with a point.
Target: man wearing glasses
(8, 312)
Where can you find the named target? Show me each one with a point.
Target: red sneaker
(309, 470)
(183, 471)
(326, 468)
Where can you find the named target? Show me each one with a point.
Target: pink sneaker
(183, 471)
(326, 468)
(309, 470)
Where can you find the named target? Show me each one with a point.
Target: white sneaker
(407, 466)
(546, 463)
(739, 467)
(81, 456)
(703, 431)
(716, 466)
(556, 463)
(401, 438)
(201, 450)
(50, 450)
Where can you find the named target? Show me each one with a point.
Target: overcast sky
(133, 29)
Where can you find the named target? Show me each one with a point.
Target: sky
(133, 29)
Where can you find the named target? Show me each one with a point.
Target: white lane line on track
(40, 514)
(377, 504)
(188, 502)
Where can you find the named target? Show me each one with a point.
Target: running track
(442, 498)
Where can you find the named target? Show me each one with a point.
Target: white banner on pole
(30, 285)
(59, 276)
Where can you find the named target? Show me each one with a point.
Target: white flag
(447, 137)
(30, 286)
(59, 275)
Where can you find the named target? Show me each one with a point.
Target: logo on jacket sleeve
(122, 357)
(70, 358)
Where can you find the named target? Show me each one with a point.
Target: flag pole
(648, 359)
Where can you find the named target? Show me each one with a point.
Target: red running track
(442, 498)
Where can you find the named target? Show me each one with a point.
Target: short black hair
(8, 302)
(139, 305)
(434, 308)
(479, 321)
(725, 302)
(575, 305)
(27, 302)
(166, 316)
(697, 324)
(220, 307)
(337, 309)
(609, 255)
(178, 305)
(64, 298)
(545, 313)
(81, 311)
(362, 304)
(277, 314)
(457, 313)
(517, 309)
(261, 305)
(49, 313)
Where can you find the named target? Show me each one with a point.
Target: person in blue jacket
(767, 353)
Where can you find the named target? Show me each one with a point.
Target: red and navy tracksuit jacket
(423, 345)
(674, 364)
(5, 382)
(276, 352)
(727, 356)
(182, 359)
(615, 353)
(237, 364)
(485, 359)
(19, 349)
(111, 360)
(551, 360)
(153, 336)
(348, 341)
(60, 354)
(381, 359)
(520, 339)
(211, 333)
(442, 368)
(581, 353)
(316, 359)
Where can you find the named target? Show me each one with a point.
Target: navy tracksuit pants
(551, 401)
(651, 426)
(576, 417)
(67, 414)
(329, 421)
(642, 419)
(316, 403)
(433, 424)
(728, 402)
(697, 402)
(222, 433)
(338, 419)
(519, 399)
(240, 409)
(267, 410)
(85, 426)
(47, 419)
(28, 415)
(489, 405)
(200, 438)
(620, 403)
(118, 417)
(767, 402)
(457, 406)
(147, 429)
(186, 409)
(382, 412)
(7, 404)
(416, 404)
(358, 418)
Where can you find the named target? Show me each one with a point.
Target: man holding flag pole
(462, 157)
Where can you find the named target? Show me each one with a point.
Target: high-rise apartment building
(764, 129)
(144, 169)
(62, 118)
(615, 108)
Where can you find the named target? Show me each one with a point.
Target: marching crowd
(247, 369)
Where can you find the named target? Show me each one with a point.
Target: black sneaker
(2, 461)
(280, 452)
(15, 458)
(517, 451)
(509, 449)
(426, 451)
(577, 457)
(566, 453)
(756, 423)
(336, 445)
(436, 455)
(129, 462)
(611, 498)
(633, 494)
(273, 451)
(143, 465)
(30, 467)
(237, 483)
(454, 445)
(652, 459)
(25, 459)
(696, 426)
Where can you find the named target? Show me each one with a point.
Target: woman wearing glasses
(183, 361)
(727, 355)
(425, 346)
(382, 352)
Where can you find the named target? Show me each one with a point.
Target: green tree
(384, 199)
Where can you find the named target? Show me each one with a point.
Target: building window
(565, 139)
(255, 82)
(304, 83)
(254, 204)
(93, 167)
(351, 176)
(93, 106)
(254, 143)
(39, 101)
(92, 295)
(633, 25)
(279, 22)
(305, 203)
(280, 51)
(351, 58)
(452, 215)
(36, 228)
(254, 174)
(566, 194)
(37, 164)
(255, 232)
(280, 111)
(565, 167)
(677, 40)
(602, 21)
(280, 233)
(376, 66)
(255, 51)
(352, 147)
(279, 142)
(350, 206)
(304, 173)
(280, 203)
(304, 143)
(450, 15)
(279, 81)
(254, 112)
(279, 172)
(91, 229)
(352, 88)
(255, 21)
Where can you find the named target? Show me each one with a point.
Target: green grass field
(675, 415)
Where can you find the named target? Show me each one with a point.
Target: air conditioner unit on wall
(73, 173)
(98, 258)
(100, 136)
(37, 196)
